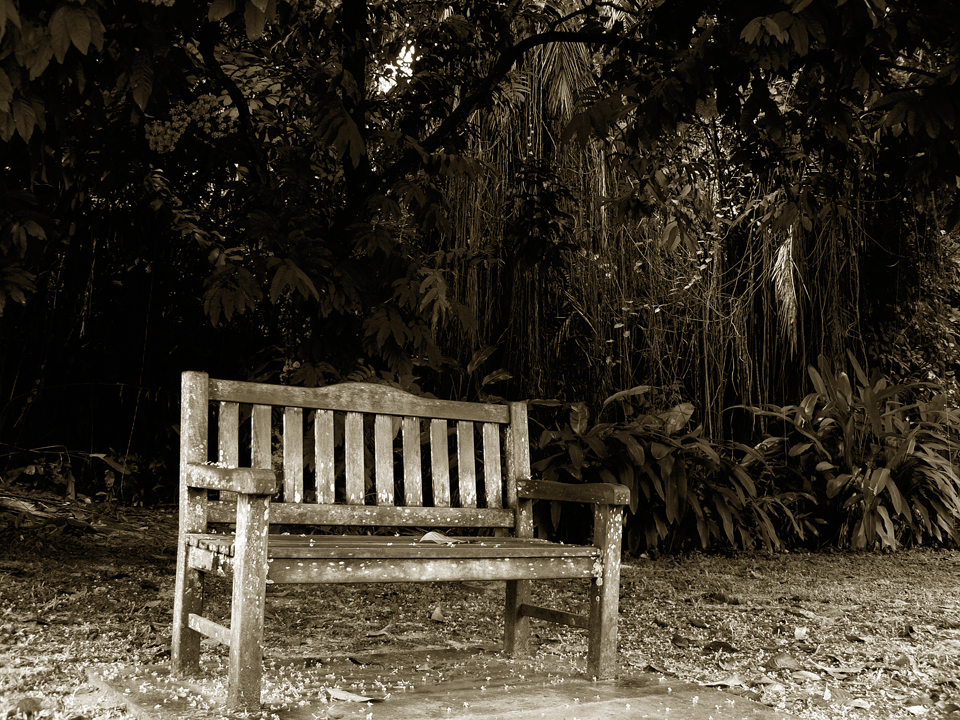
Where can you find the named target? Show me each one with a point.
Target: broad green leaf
(745, 481)
(884, 528)
(670, 502)
(800, 5)
(255, 19)
(24, 117)
(724, 511)
(59, 33)
(78, 25)
(771, 26)
(7, 126)
(479, 357)
(676, 417)
(141, 79)
(659, 450)
(8, 11)
(556, 510)
(579, 417)
(96, 27)
(219, 9)
(799, 449)
(835, 484)
(6, 90)
(896, 498)
(750, 32)
(817, 381)
(638, 390)
(657, 485)
(872, 408)
(495, 376)
(634, 449)
(801, 39)
(680, 479)
(576, 460)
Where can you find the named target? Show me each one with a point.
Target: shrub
(878, 457)
(684, 488)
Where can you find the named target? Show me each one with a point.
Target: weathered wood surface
(605, 493)
(560, 617)
(211, 629)
(477, 478)
(373, 516)
(356, 397)
(428, 569)
(383, 547)
(253, 481)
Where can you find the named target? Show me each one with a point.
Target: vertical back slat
(383, 454)
(323, 447)
(412, 478)
(440, 463)
(466, 465)
(353, 460)
(260, 453)
(228, 441)
(518, 466)
(228, 434)
(293, 454)
(492, 479)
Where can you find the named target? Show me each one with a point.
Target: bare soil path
(821, 636)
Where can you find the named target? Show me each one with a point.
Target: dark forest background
(712, 241)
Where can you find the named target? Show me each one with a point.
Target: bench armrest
(597, 493)
(250, 481)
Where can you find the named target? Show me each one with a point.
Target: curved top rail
(357, 397)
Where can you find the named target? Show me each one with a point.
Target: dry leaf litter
(822, 636)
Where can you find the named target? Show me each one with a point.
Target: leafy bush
(109, 476)
(878, 458)
(684, 488)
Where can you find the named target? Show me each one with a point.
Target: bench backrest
(359, 454)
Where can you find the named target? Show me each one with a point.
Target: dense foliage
(702, 196)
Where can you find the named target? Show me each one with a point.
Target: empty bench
(356, 459)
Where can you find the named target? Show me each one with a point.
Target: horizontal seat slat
(357, 397)
(348, 547)
(365, 570)
(372, 515)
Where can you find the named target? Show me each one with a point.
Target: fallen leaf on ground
(338, 694)
(782, 661)
(840, 673)
(719, 645)
(729, 681)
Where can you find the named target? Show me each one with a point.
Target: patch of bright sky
(400, 68)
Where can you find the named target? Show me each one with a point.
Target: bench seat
(396, 488)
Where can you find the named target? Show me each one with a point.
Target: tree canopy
(537, 199)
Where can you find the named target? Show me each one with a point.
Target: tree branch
(482, 92)
(209, 34)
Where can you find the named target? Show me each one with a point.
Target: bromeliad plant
(878, 457)
(683, 487)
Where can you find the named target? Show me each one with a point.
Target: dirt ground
(821, 636)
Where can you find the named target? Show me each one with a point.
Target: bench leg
(516, 629)
(246, 616)
(188, 599)
(605, 594)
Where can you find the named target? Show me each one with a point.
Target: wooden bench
(368, 457)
